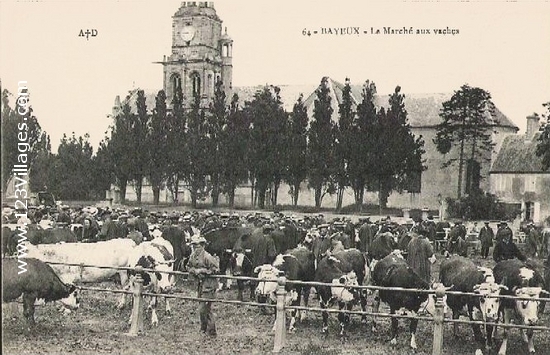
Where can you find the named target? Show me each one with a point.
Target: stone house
(517, 176)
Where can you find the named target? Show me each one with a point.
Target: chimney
(532, 126)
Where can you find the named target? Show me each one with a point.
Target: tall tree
(139, 148)
(118, 146)
(176, 142)
(42, 173)
(543, 144)
(363, 133)
(467, 122)
(343, 143)
(197, 145)
(268, 141)
(398, 154)
(235, 142)
(217, 120)
(18, 122)
(321, 144)
(73, 168)
(297, 149)
(157, 137)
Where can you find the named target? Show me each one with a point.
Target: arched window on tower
(176, 82)
(196, 83)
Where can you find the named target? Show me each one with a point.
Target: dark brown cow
(34, 279)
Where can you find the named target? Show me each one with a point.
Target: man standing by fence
(486, 236)
(202, 265)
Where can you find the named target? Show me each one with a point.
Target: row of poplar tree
(214, 150)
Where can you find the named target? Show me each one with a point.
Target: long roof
(517, 155)
(422, 109)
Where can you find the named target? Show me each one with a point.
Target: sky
(502, 47)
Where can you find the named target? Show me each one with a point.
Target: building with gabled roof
(518, 177)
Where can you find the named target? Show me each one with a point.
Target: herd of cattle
(368, 254)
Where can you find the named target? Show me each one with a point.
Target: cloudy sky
(503, 47)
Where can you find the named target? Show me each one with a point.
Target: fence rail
(438, 318)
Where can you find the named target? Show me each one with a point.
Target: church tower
(201, 55)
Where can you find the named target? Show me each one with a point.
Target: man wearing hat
(505, 248)
(201, 266)
(503, 231)
(486, 236)
(532, 240)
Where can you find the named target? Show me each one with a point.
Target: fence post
(137, 311)
(280, 319)
(439, 317)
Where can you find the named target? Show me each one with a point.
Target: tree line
(212, 150)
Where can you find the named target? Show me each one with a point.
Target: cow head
(159, 278)
(528, 308)
(267, 289)
(241, 261)
(488, 303)
(343, 287)
(72, 301)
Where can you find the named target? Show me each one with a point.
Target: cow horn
(228, 250)
(503, 287)
(545, 292)
(477, 287)
(448, 288)
(257, 269)
(248, 250)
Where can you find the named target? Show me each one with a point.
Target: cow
(250, 251)
(393, 271)
(286, 237)
(50, 236)
(382, 245)
(297, 264)
(220, 242)
(39, 281)
(521, 280)
(111, 253)
(344, 270)
(461, 274)
(156, 255)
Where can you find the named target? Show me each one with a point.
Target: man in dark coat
(421, 255)
(532, 240)
(506, 249)
(503, 231)
(486, 236)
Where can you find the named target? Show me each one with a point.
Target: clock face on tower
(187, 33)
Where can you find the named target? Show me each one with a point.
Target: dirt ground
(99, 327)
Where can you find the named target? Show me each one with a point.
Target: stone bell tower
(201, 54)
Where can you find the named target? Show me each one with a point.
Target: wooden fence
(438, 318)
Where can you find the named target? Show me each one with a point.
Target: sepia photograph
(291, 177)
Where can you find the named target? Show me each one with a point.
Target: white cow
(110, 253)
